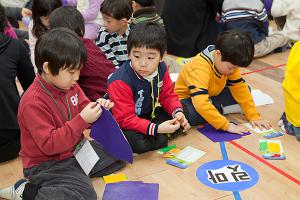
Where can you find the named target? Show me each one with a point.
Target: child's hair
(3, 19)
(149, 35)
(236, 47)
(42, 8)
(117, 9)
(62, 49)
(145, 3)
(74, 21)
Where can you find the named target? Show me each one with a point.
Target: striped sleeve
(241, 93)
(198, 88)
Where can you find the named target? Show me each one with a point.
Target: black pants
(224, 99)
(65, 179)
(141, 143)
(9, 144)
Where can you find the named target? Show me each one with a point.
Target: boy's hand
(105, 103)
(26, 12)
(168, 126)
(91, 112)
(183, 121)
(236, 129)
(261, 124)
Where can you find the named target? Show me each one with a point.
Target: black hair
(3, 19)
(42, 8)
(236, 47)
(68, 17)
(62, 49)
(148, 35)
(117, 9)
(145, 3)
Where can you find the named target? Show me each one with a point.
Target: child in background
(52, 115)
(112, 38)
(90, 10)
(139, 86)
(251, 17)
(202, 83)
(144, 11)
(39, 24)
(93, 75)
(291, 88)
(15, 62)
(289, 9)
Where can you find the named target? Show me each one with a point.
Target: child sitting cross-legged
(146, 107)
(52, 115)
(211, 84)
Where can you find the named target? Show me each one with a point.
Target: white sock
(15, 191)
(235, 108)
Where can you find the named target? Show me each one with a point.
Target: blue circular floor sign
(228, 175)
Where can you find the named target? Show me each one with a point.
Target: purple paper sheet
(107, 132)
(131, 190)
(219, 135)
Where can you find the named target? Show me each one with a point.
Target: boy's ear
(163, 56)
(219, 54)
(134, 6)
(125, 21)
(46, 68)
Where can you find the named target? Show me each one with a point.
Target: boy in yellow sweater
(291, 88)
(210, 85)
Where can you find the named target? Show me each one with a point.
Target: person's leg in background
(269, 44)
(9, 144)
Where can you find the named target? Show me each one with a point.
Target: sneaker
(15, 191)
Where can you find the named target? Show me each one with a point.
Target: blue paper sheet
(107, 132)
(131, 190)
(219, 135)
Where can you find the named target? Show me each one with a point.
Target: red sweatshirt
(93, 75)
(45, 133)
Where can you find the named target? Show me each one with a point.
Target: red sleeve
(50, 139)
(168, 98)
(124, 110)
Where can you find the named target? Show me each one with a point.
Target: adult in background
(15, 62)
(190, 25)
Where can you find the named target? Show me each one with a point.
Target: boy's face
(224, 67)
(113, 25)
(65, 79)
(144, 61)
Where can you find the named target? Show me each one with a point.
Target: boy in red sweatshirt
(52, 115)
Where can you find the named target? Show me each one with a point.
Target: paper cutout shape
(219, 135)
(185, 157)
(131, 190)
(107, 132)
(266, 133)
(114, 178)
(271, 149)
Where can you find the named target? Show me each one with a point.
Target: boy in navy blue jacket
(146, 106)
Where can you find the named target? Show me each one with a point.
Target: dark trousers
(9, 144)
(141, 143)
(65, 179)
(224, 99)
